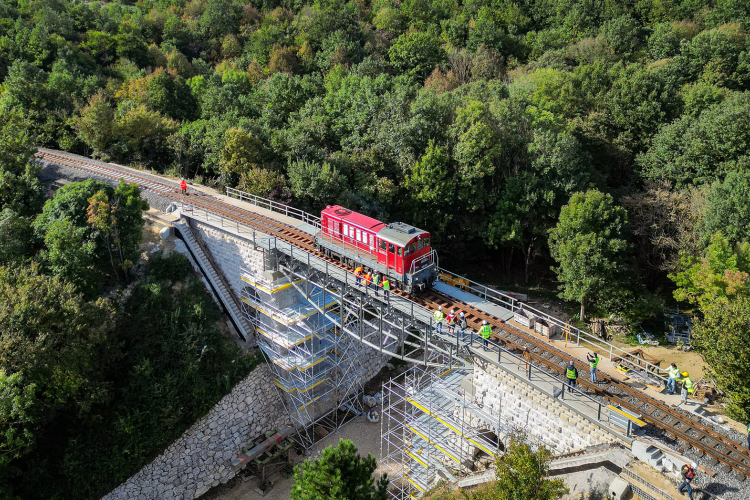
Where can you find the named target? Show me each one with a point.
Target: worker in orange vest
(368, 279)
(183, 186)
(358, 275)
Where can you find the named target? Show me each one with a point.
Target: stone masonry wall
(230, 252)
(201, 457)
(524, 407)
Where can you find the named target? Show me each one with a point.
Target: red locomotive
(398, 250)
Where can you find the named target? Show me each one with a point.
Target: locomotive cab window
(359, 235)
(383, 245)
(426, 241)
(399, 251)
(391, 248)
(412, 248)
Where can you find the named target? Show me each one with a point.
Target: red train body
(399, 250)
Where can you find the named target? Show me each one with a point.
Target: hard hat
(440, 308)
(183, 178)
(461, 313)
(693, 465)
(452, 311)
(484, 321)
(571, 362)
(684, 374)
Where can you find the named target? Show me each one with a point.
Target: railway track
(672, 424)
(265, 224)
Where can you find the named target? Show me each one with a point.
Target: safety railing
(581, 337)
(536, 374)
(275, 206)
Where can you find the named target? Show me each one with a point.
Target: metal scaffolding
(318, 368)
(433, 428)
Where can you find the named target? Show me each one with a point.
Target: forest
(600, 149)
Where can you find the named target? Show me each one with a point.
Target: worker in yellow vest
(687, 383)
(358, 275)
(376, 282)
(485, 332)
(438, 315)
(674, 374)
(386, 284)
(572, 374)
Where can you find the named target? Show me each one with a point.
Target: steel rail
(706, 440)
(610, 389)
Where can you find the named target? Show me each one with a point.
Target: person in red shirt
(183, 186)
(450, 321)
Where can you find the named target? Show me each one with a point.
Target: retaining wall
(543, 418)
(201, 457)
(229, 252)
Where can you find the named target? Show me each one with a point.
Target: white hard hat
(484, 321)
(183, 178)
(693, 465)
(452, 311)
(571, 362)
(461, 313)
(440, 308)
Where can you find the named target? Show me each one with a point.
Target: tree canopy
(339, 474)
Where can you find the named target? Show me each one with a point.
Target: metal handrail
(489, 294)
(554, 380)
(514, 305)
(275, 206)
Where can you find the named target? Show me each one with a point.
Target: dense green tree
(340, 474)
(522, 474)
(15, 237)
(315, 184)
(588, 243)
(721, 337)
(691, 151)
(728, 208)
(416, 54)
(722, 271)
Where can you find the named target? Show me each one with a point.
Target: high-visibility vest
(673, 373)
(593, 364)
(375, 280)
(358, 271)
(571, 373)
(183, 185)
(368, 278)
(485, 331)
(688, 472)
(439, 316)
(451, 319)
(386, 284)
(688, 384)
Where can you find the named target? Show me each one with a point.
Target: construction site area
(435, 405)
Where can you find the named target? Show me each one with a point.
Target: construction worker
(572, 374)
(593, 359)
(450, 320)
(485, 332)
(358, 275)
(438, 315)
(674, 374)
(687, 383)
(462, 324)
(688, 473)
(376, 282)
(368, 279)
(386, 284)
(183, 186)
